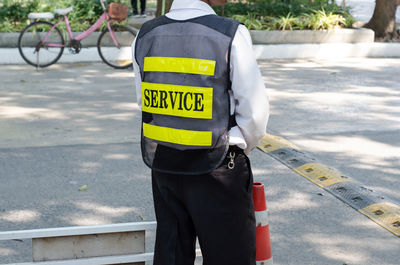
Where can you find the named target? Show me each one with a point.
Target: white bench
(87, 245)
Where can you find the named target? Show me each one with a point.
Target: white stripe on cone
(262, 218)
(265, 262)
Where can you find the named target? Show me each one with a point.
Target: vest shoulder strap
(152, 24)
(226, 26)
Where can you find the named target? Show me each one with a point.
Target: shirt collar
(181, 5)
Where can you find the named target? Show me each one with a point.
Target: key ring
(231, 163)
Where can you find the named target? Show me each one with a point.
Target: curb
(327, 50)
(356, 35)
(262, 52)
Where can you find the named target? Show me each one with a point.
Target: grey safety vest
(184, 68)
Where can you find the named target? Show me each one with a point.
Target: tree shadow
(347, 114)
(66, 104)
(310, 226)
(41, 189)
(82, 129)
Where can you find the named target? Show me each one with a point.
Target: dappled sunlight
(67, 104)
(364, 222)
(260, 172)
(93, 129)
(10, 112)
(20, 216)
(373, 91)
(126, 106)
(7, 251)
(89, 167)
(393, 193)
(118, 116)
(294, 201)
(341, 254)
(37, 97)
(373, 161)
(77, 219)
(371, 155)
(345, 248)
(120, 74)
(118, 156)
(95, 214)
(5, 99)
(387, 117)
(357, 145)
(104, 210)
(346, 112)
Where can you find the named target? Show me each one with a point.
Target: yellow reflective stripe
(177, 136)
(176, 100)
(179, 65)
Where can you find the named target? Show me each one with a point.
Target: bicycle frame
(93, 28)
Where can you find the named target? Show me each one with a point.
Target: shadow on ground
(73, 125)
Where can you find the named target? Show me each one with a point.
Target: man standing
(135, 8)
(203, 109)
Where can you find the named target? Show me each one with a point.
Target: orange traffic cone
(263, 241)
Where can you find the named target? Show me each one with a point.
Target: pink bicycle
(42, 44)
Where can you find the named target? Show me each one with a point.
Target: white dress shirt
(249, 100)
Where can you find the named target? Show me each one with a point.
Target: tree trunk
(168, 4)
(383, 20)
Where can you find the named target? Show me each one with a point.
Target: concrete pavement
(78, 124)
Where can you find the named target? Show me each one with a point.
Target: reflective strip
(176, 100)
(265, 262)
(179, 65)
(177, 136)
(262, 218)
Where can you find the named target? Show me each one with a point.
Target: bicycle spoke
(117, 56)
(32, 38)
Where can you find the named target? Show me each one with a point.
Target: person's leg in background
(134, 7)
(143, 8)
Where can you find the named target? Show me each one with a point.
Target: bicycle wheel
(36, 52)
(119, 57)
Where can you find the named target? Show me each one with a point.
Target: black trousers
(142, 6)
(217, 208)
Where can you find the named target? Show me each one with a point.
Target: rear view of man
(203, 109)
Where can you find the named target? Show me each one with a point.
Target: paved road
(73, 125)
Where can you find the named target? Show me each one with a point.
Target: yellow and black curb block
(381, 210)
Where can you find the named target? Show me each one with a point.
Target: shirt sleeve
(251, 104)
(138, 78)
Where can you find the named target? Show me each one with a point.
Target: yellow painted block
(270, 143)
(321, 175)
(386, 214)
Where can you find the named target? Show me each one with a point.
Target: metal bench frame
(45, 239)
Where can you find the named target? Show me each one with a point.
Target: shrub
(289, 14)
(14, 13)
(250, 21)
(318, 20)
(279, 8)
